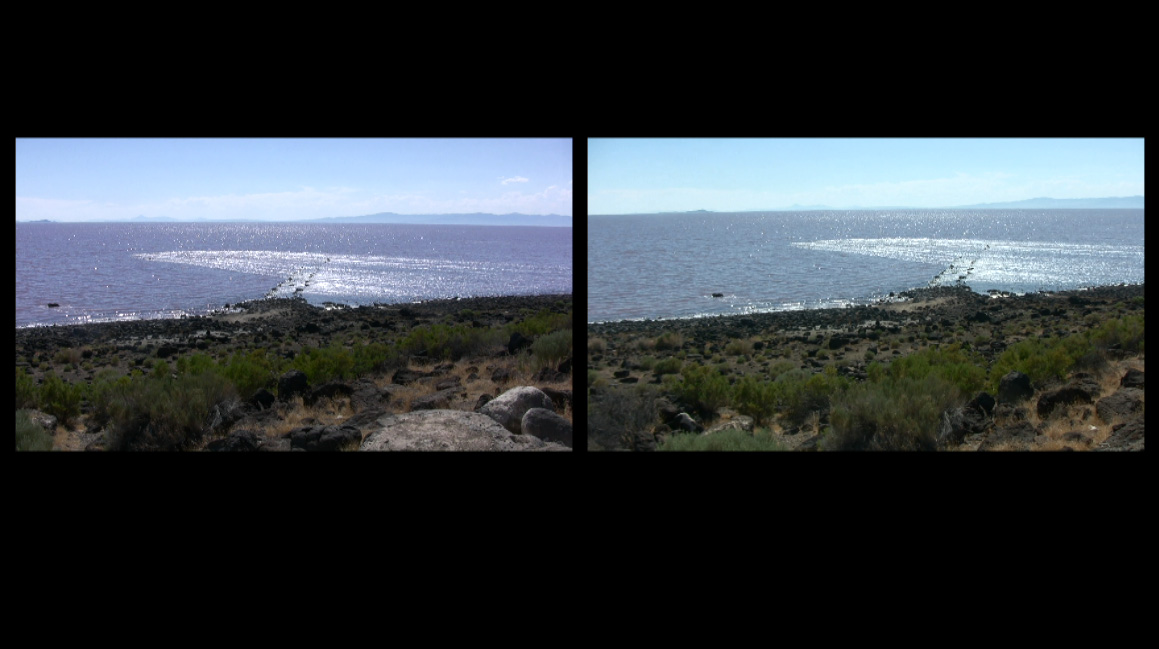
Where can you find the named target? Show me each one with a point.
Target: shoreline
(905, 301)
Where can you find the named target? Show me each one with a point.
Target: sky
(639, 176)
(288, 179)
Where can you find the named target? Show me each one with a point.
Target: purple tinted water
(119, 271)
(671, 265)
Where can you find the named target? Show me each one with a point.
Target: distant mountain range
(1119, 202)
(477, 218)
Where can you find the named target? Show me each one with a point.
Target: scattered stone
(238, 440)
(325, 438)
(508, 408)
(687, 423)
(547, 425)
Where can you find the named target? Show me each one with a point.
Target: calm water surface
(120, 271)
(670, 265)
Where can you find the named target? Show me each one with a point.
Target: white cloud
(513, 179)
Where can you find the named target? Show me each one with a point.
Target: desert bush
(164, 412)
(451, 342)
(738, 348)
(597, 345)
(780, 367)
(543, 322)
(60, 398)
(802, 393)
(755, 398)
(703, 389)
(667, 366)
(725, 440)
(552, 348)
(67, 356)
(26, 391)
(669, 340)
(891, 415)
(30, 436)
(951, 363)
(614, 413)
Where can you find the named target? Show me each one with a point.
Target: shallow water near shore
(102, 272)
(657, 266)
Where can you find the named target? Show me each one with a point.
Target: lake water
(122, 271)
(670, 265)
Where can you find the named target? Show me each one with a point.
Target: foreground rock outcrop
(449, 430)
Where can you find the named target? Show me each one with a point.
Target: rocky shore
(1104, 409)
(478, 402)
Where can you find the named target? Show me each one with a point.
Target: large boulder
(291, 384)
(1132, 379)
(1121, 405)
(1014, 388)
(547, 425)
(331, 390)
(957, 423)
(1075, 392)
(1128, 436)
(449, 430)
(508, 408)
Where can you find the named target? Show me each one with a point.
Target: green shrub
(543, 322)
(618, 413)
(738, 348)
(891, 415)
(669, 340)
(725, 440)
(60, 398)
(802, 394)
(451, 342)
(30, 436)
(703, 389)
(950, 363)
(163, 413)
(552, 348)
(757, 399)
(667, 366)
(26, 391)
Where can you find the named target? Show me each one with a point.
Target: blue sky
(627, 176)
(289, 179)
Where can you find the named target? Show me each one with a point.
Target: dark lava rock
(561, 399)
(1122, 404)
(331, 390)
(960, 422)
(1132, 379)
(1125, 437)
(437, 400)
(291, 384)
(1014, 387)
(983, 402)
(1021, 434)
(325, 438)
(407, 376)
(548, 426)
(238, 440)
(517, 342)
(1075, 392)
(482, 401)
